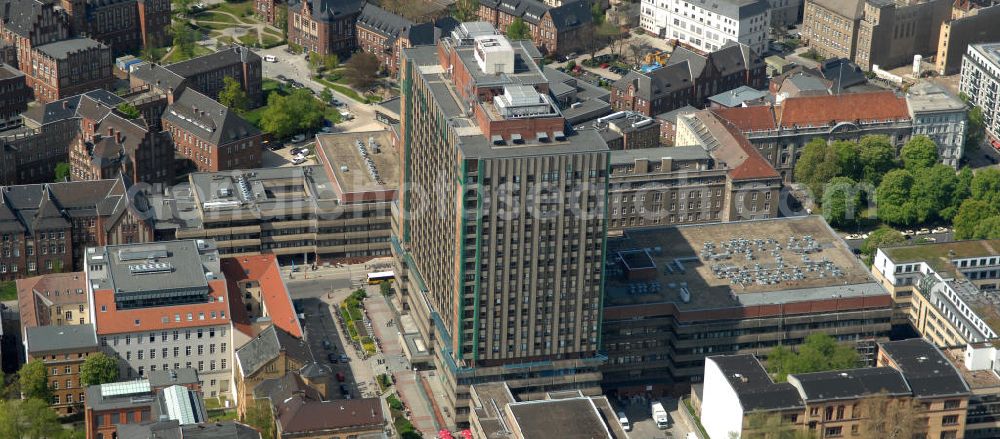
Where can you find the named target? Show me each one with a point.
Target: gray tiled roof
(207, 119)
(19, 16)
(27, 207)
(329, 10)
(62, 49)
(753, 386)
(60, 338)
(67, 108)
(849, 384)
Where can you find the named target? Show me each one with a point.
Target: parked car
(327, 344)
(298, 138)
(940, 230)
(270, 58)
(340, 377)
(299, 150)
(344, 359)
(924, 231)
(908, 232)
(298, 160)
(332, 357)
(345, 391)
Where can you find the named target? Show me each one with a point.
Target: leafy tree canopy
(518, 30)
(34, 380)
(919, 153)
(233, 95)
(99, 369)
(819, 352)
(841, 202)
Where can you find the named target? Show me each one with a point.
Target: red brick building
(210, 136)
(205, 74)
(688, 79)
(267, 10)
(123, 25)
(385, 35)
(46, 227)
(324, 26)
(14, 96)
(556, 30)
(62, 349)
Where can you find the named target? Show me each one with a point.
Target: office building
(554, 29)
(944, 290)
(688, 78)
(979, 81)
(46, 227)
(53, 299)
(163, 396)
(678, 294)
(959, 33)
(940, 116)
(709, 26)
(163, 307)
(499, 294)
(911, 375)
(297, 213)
(496, 413)
(780, 132)
(978, 365)
(62, 349)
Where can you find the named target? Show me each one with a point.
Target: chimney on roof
(65, 105)
(111, 131)
(118, 136)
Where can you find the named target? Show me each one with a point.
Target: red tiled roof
(821, 110)
(111, 320)
(734, 150)
(264, 270)
(61, 288)
(758, 117)
(755, 166)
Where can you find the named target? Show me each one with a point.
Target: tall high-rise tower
(501, 224)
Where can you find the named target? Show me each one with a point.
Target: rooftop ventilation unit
(156, 267)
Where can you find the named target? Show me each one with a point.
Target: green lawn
(214, 16)
(241, 9)
(176, 55)
(343, 89)
(215, 26)
(250, 39)
(8, 290)
(270, 40)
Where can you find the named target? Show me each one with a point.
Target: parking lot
(319, 326)
(643, 427)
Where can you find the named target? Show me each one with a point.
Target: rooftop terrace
(734, 264)
(940, 255)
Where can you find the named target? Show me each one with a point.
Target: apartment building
(676, 295)
(205, 74)
(14, 96)
(509, 296)
(385, 35)
(208, 136)
(46, 227)
(957, 34)
(940, 116)
(324, 26)
(294, 213)
(53, 299)
(66, 68)
(62, 349)
(709, 26)
(780, 132)
(911, 375)
(979, 81)
(561, 29)
(163, 307)
(944, 290)
(689, 78)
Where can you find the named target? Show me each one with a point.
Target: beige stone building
(875, 32)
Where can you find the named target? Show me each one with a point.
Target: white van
(623, 420)
(270, 58)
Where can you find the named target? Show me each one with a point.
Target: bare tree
(887, 417)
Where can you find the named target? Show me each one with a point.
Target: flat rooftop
(572, 417)
(990, 50)
(162, 266)
(75, 338)
(925, 367)
(976, 379)
(361, 153)
(742, 263)
(940, 255)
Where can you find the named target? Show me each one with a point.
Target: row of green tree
(910, 190)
